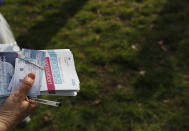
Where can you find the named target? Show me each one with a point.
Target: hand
(17, 106)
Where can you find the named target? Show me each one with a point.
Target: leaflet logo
(49, 76)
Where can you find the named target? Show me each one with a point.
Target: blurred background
(131, 57)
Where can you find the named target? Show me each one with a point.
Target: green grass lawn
(131, 57)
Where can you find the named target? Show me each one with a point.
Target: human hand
(17, 106)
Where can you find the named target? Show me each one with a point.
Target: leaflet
(7, 63)
(54, 69)
(60, 73)
(31, 61)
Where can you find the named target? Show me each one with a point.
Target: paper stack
(28, 61)
(59, 77)
(7, 63)
(54, 69)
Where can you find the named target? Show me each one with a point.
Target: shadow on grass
(164, 51)
(164, 57)
(39, 35)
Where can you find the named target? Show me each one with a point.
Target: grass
(131, 57)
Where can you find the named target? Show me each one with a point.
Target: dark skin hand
(17, 106)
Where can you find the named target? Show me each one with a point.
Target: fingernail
(31, 76)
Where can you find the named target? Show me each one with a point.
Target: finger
(35, 105)
(26, 85)
(32, 107)
(29, 107)
(31, 101)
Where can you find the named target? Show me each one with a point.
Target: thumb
(26, 85)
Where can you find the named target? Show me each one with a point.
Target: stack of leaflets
(60, 77)
(28, 61)
(7, 63)
(54, 69)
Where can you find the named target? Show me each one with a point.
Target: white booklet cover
(59, 72)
